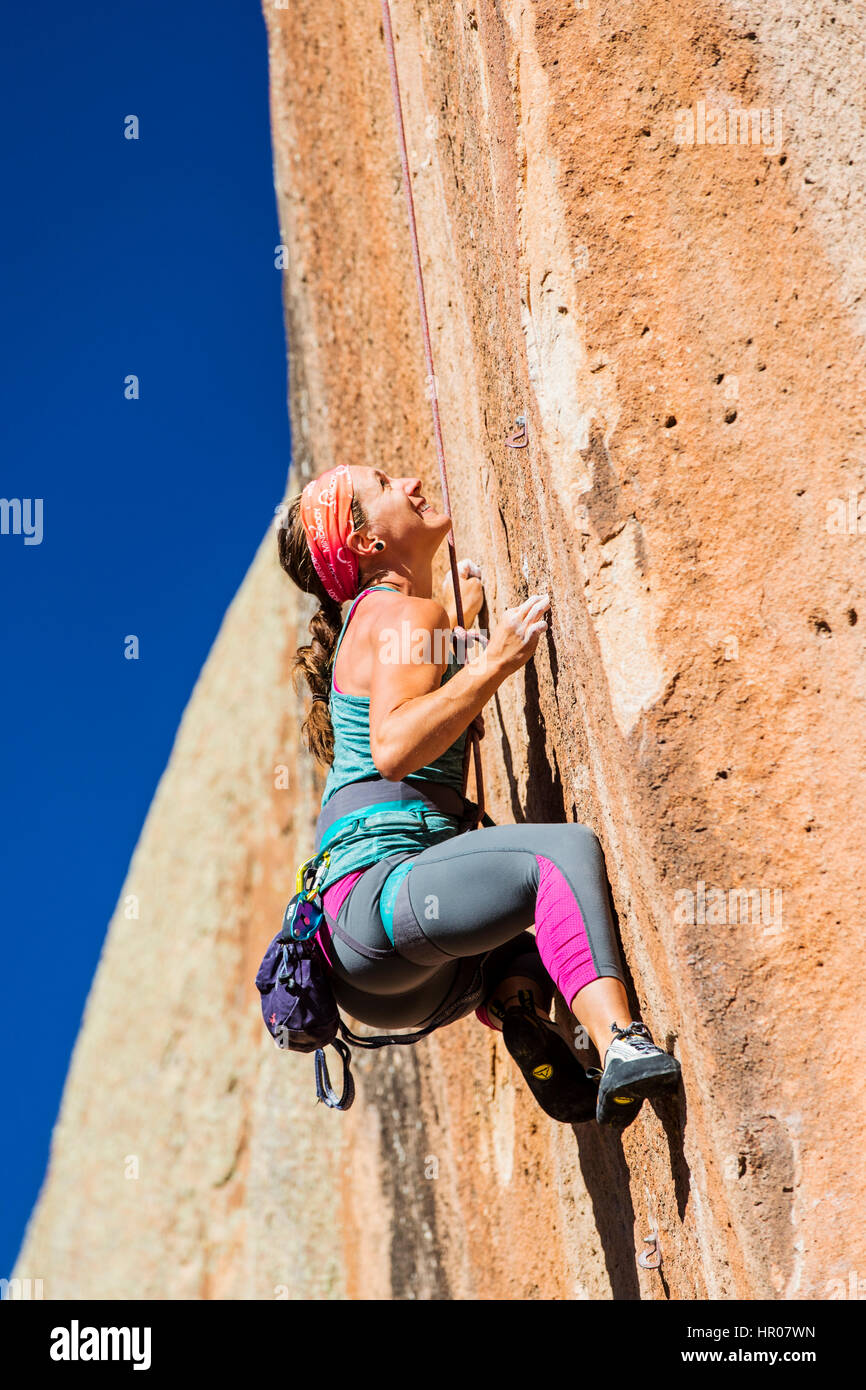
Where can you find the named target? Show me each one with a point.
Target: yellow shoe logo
(544, 1072)
(624, 1100)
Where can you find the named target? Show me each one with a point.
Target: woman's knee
(591, 843)
(572, 838)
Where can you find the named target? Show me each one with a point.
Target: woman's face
(399, 513)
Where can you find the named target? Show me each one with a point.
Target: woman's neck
(414, 583)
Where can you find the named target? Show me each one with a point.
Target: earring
(380, 545)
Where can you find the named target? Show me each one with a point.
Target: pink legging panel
(560, 935)
(333, 899)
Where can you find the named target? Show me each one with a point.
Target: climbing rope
(473, 739)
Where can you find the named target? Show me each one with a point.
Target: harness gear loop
(473, 740)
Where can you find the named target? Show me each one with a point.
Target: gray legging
(468, 901)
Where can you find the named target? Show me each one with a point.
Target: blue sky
(153, 257)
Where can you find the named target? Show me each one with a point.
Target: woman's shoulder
(421, 612)
(411, 627)
(397, 613)
(395, 619)
(427, 612)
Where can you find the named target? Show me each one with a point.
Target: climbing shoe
(634, 1068)
(551, 1071)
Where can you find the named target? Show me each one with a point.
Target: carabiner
(321, 860)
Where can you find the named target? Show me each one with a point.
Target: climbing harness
(473, 743)
(297, 997)
(372, 793)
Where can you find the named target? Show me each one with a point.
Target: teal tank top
(369, 834)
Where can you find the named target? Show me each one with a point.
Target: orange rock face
(643, 230)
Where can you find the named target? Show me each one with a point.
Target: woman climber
(426, 904)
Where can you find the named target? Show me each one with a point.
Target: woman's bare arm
(413, 719)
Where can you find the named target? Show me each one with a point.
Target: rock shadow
(603, 1165)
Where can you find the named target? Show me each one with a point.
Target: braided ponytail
(315, 662)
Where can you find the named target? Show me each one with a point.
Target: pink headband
(326, 514)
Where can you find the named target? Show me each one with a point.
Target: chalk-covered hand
(516, 635)
(471, 592)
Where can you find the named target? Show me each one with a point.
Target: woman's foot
(551, 1071)
(634, 1068)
